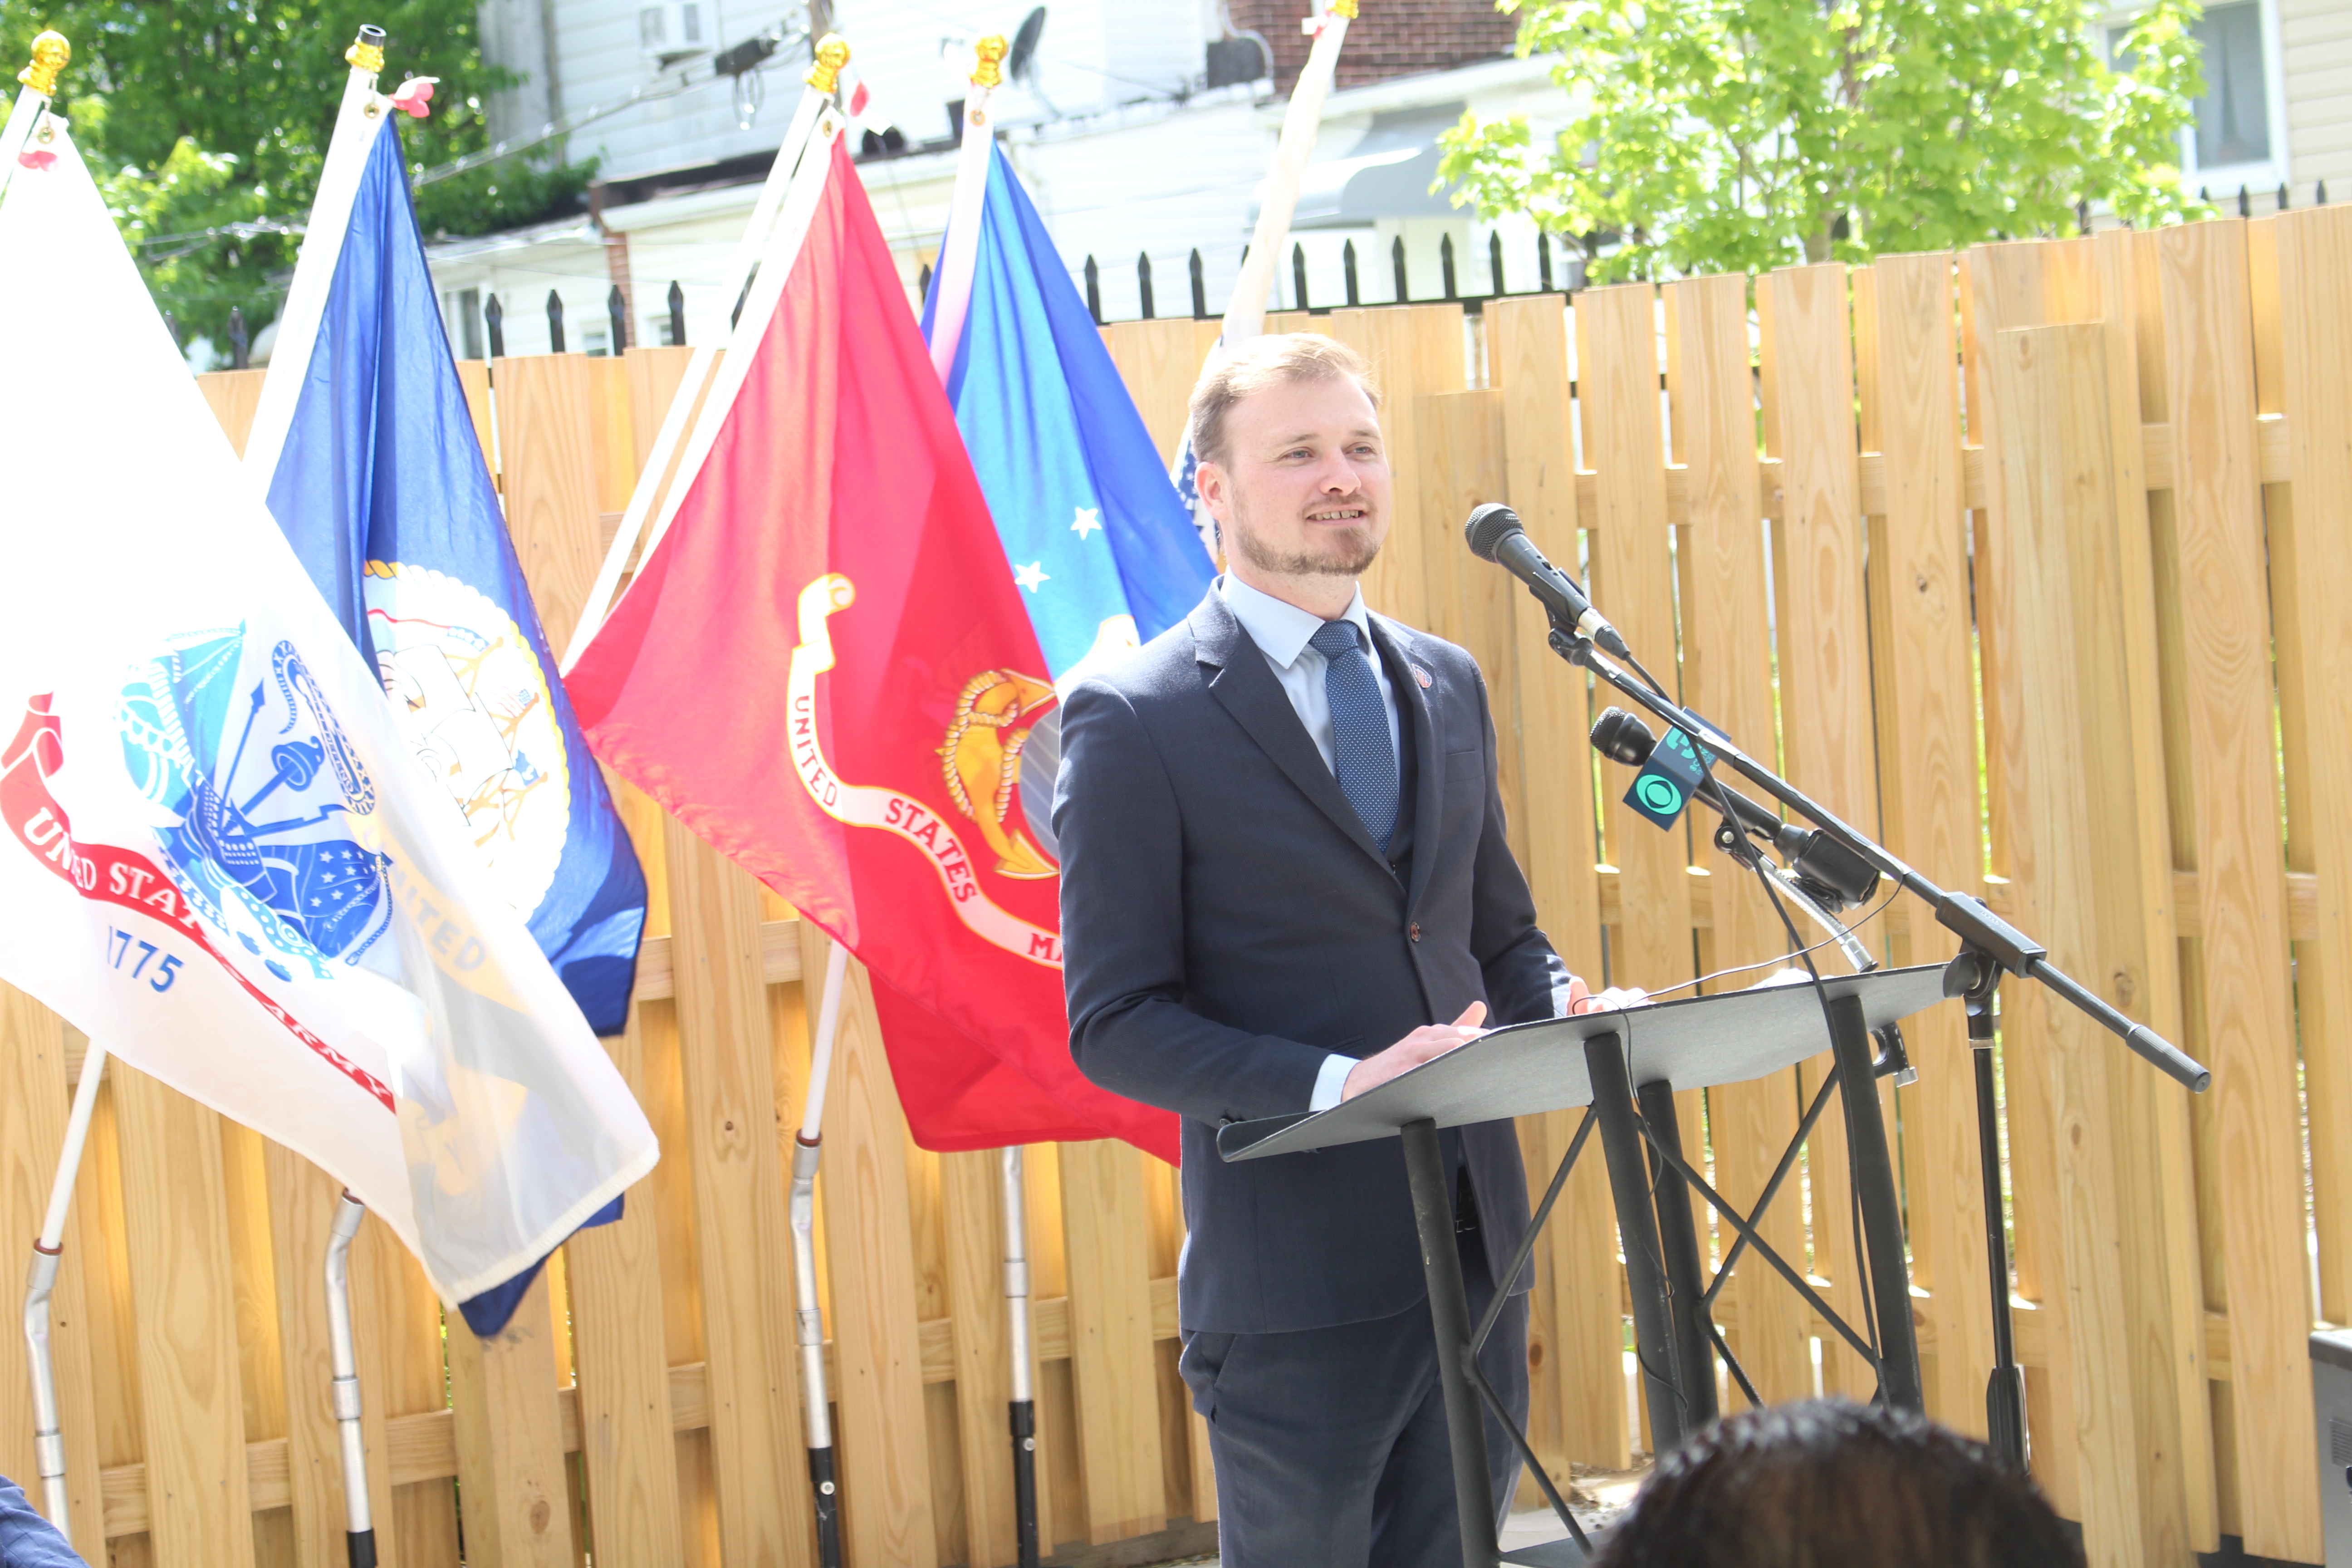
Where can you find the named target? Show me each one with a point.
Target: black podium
(1625, 1067)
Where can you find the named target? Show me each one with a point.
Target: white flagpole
(961, 253)
(1024, 1400)
(823, 78)
(1245, 309)
(48, 1251)
(358, 122)
(50, 53)
(1245, 313)
(808, 1144)
(359, 1528)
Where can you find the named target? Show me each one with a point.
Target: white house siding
(2315, 39)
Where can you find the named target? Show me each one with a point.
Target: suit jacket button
(1414, 930)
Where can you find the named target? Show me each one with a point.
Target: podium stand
(1625, 1065)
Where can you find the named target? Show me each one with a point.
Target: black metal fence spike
(1200, 287)
(2245, 203)
(2202, 194)
(237, 340)
(1348, 270)
(1298, 273)
(2283, 196)
(2319, 197)
(172, 325)
(742, 298)
(554, 323)
(1543, 261)
(1094, 291)
(494, 315)
(676, 313)
(2083, 217)
(1396, 262)
(1143, 282)
(1495, 258)
(1445, 266)
(616, 307)
(923, 279)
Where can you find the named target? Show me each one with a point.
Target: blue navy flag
(1094, 533)
(381, 490)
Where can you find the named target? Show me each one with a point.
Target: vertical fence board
(2076, 821)
(970, 1192)
(235, 396)
(1577, 1314)
(1159, 361)
(1413, 352)
(1106, 1228)
(2163, 1299)
(1817, 579)
(548, 464)
(35, 1095)
(615, 1273)
(739, 1209)
(1928, 773)
(2250, 1005)
(510, 1461)
(1724, 622)
(175, 1222)
(2312, 289)
(886, 1508)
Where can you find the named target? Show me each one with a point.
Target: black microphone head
(1621, 737)
(1488, 526)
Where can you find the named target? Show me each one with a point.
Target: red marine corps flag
(823, 667)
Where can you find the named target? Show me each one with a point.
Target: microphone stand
(1989, 947)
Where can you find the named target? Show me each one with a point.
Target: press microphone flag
(1495, 533)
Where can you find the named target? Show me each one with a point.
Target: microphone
(1495, 533)
(1826, 870)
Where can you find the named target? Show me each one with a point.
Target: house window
(2237, 133)
(461, 310)
(595, 341)
(662, 330)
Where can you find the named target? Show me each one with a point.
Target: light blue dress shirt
(1281, 631)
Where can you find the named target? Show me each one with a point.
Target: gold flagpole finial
(832, 54)
(1344, 8)
(990, 71)
(366, 52)
(50, 53)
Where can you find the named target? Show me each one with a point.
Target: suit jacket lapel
(1247, 688)
(1413, 709)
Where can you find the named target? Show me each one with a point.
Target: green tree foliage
(1729, 135)
(207, 121)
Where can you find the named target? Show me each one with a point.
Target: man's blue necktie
(1360, 744)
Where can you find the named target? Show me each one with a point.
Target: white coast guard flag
(219, 859)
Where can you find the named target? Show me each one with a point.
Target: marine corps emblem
(982, 761)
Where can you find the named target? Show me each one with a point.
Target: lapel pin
(1421, 675)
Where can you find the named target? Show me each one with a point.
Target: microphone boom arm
(1966, 917)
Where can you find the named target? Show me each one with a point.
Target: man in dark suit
(1284, 880)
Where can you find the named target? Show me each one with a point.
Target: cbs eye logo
(1661, 795)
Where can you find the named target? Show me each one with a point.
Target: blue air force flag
(380, 488)
(1103, 550)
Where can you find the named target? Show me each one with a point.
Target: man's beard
(1348, 553)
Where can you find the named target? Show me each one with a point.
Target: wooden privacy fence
(2034, 558)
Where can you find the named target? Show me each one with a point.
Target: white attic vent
(672, 31)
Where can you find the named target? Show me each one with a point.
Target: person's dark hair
(1831, 1484)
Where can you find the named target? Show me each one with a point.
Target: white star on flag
(1031, 576)
(1089, 522)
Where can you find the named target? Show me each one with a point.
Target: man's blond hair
(1266, 361)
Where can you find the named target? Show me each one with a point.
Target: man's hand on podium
(1428, 1040)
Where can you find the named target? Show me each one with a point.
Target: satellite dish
(1023, 57)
